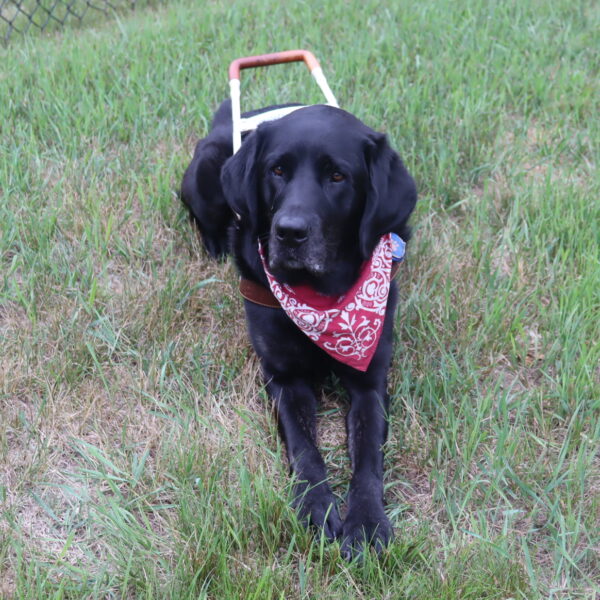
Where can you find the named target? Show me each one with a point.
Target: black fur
(318, 188)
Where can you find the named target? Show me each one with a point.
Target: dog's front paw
(365, 526)
(316, 507)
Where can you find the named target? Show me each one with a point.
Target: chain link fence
(20, 16)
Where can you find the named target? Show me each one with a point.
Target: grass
(138, 453)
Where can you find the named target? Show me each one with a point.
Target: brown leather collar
(259, 294)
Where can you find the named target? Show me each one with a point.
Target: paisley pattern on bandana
(347, 327)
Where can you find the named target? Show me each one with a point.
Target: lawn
(139, 456)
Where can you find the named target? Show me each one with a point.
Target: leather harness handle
(264, 60)
(276, 58)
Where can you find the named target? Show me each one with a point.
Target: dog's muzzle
(296, 244)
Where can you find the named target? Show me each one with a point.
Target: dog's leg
(296, 413)
(366, 521)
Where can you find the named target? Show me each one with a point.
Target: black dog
(318, 189)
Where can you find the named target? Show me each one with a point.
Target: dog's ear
(390, 198)
(240, 183)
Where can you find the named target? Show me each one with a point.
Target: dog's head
(318, 188)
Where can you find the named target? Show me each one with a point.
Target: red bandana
(347, 327)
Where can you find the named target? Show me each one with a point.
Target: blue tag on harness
(398, 248)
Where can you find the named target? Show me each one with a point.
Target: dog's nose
(291, 230)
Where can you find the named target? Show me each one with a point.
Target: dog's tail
(223, 114)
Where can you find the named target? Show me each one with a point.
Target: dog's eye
(277, 171)
(337, 177)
